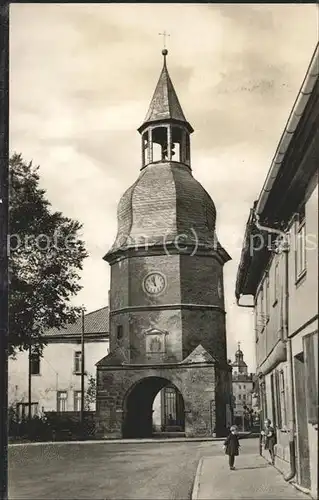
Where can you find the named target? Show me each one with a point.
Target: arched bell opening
(165, 143)
(153, 404)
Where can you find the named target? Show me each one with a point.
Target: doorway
(302, 422)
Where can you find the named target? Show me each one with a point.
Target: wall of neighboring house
(269, 328)
(303, 326)
(269, 308)
(302, 322)
(56, 373)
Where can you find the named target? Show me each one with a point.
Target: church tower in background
(167, 311)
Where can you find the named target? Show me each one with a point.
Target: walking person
(231, 446)
(269, 439)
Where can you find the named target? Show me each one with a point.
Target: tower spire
(165, 105)
(165, 131)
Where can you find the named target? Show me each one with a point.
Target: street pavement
(113, 471)
(253, 478)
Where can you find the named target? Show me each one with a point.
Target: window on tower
(119, 332)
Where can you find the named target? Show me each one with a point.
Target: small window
(77, 362)
(119, 332)
(244, 386)
(276, 283)
(266, 298)
(244, 397)
(239, 396)
(62, 397)
(239, 387)
(35, 364)
(301, 245)
(261, 316)
(77, 400)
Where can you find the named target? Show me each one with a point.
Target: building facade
(279, 268)
(242, 384)
(167, 313)
(56, 376)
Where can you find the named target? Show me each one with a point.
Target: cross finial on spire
(164, 35)
(238, 346)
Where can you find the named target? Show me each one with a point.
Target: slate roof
(114, 358)
(95, 322)
(199, 355)
(165, 104)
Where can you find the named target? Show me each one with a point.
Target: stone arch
(138, 402)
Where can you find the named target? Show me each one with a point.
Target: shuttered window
(310, 347)
(283, 399)
(278, 401)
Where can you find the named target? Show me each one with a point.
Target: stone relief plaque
(155, 341)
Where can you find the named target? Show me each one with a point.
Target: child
(270, 439)
(231, 446)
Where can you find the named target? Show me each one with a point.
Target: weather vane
(164, 35)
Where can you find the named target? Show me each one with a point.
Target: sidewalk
(253, 478)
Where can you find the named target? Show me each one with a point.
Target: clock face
(154, 283)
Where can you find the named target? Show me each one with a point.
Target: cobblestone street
(109, 471)
(115, 470)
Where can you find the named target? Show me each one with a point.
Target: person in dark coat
(269, 439)
(231, 446)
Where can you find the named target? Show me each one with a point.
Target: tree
(90, 396)
(45, 256)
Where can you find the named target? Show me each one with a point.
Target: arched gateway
(166, 302)
(138, 409)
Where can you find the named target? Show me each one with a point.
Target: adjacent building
(279, 269)
(55, 378)
(242, 383)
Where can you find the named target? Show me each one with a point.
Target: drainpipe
(292, 423)
(287, 341)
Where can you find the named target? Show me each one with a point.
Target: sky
(81, 80)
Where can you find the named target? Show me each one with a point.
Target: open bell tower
(167, 311)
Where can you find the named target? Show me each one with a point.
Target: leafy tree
(90, 395)
(45, 256)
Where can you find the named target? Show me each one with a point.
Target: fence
(51, 426)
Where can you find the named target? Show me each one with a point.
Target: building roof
(95, 322)
(199, 355)
(165, 105)
(284, 187)
(242, 377)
